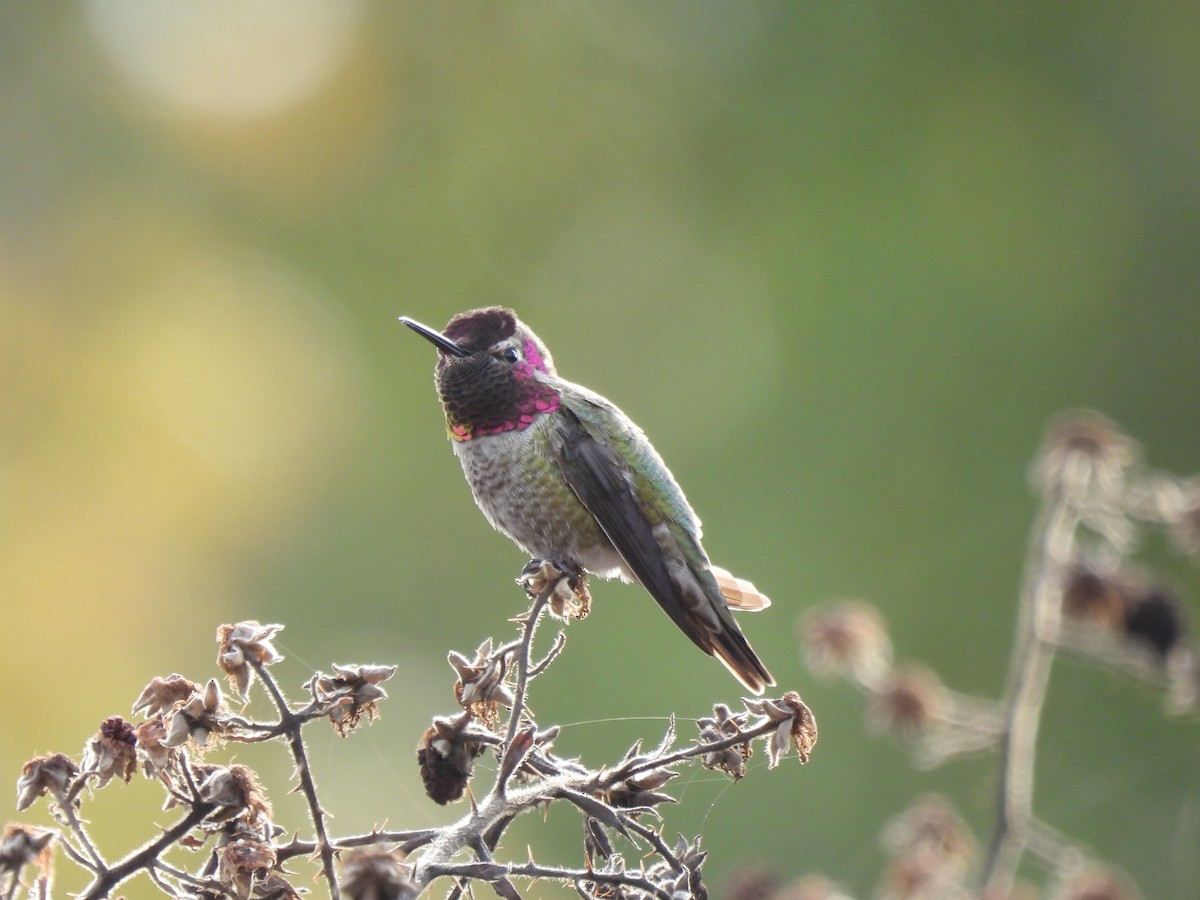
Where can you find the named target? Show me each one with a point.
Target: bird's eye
(512, 354)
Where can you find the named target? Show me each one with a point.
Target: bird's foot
(567, 582)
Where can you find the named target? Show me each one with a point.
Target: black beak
(436, 338)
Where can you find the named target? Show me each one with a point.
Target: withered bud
(237, 794)
(350, 693)
(909, 700)
(722, 725)
(111, 752)
(446, 756)
(1155, 620)
(1081, 453)
(687, 882)
(1093, 596)
(641, 790)
(150, 736)
(161, 694)
(846, 640)
(480, 688)
(54, 774)
(244, 865)
(238, 645)
(203, 713)
(375, 874)
(796, 726)
(569, 598)
(24, 844)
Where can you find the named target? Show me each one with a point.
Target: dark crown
(481, 328)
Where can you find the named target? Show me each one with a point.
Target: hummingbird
(566, 475)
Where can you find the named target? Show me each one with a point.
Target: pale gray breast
(519, 487)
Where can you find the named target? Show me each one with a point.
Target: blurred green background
(841, 260)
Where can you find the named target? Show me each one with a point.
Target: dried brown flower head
(797, 726)
(150, 736)
(351, 693)
(203, 714)
(375, 874)
(111, 752)
(847, 640)
(242, 643)
(244, 866)
(908, 701)
(21, 845)
(446, 756)
(1083, 454)
(54, 774)
(480, 688)
(569, 599)
(236, 793)
(931, 849)
(161, 695)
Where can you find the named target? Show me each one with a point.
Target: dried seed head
(797, 726)
(569, 597)
(375, 874)
(350, 694)
(236, 793)
(202, 715)
(150, 736)
(1083, 454)
(480, 688)
(21, 845)
(161, 694)
(931, 827)
(53, 774)
(244, 866)
(931, 849)
(111, 752)
(446, 756)
(847, 640)
(238, 645)
(909, 700)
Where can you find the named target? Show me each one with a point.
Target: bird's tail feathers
(740, 594)
(735, 653)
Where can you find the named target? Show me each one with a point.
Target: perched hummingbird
(566, 475)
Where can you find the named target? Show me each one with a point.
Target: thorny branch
(226, 810)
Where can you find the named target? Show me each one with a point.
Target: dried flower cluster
(223, 812)
(1083, 594)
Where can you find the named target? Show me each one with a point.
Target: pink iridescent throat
(540, 402)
